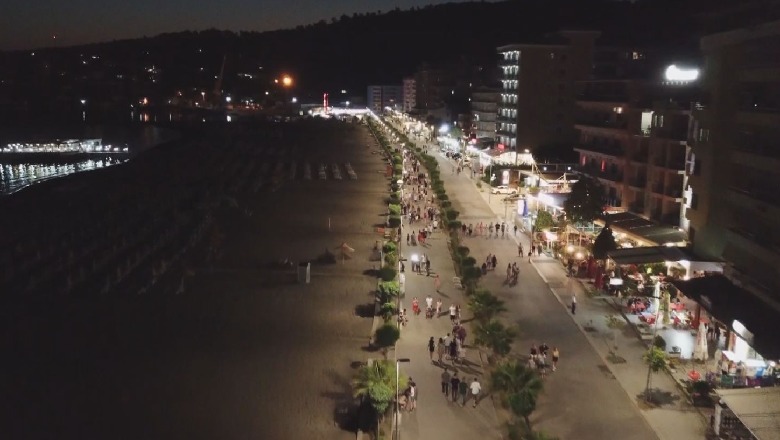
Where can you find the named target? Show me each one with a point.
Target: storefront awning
(646, 255)
(728, 303)
(757, 408)
(642, 229)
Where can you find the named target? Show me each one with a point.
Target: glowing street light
(287, 81)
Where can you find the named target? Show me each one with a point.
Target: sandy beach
(244, 351)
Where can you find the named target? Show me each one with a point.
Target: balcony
(601, 150)
(506, 119)
(612, 176)
(657, 188)
(765, 116)
(505, 132)
(638, 208)
(600, 123)
(758, 192)
(639, 157)
(669, 133)
(638, 183)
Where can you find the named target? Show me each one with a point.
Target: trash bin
(304, 272)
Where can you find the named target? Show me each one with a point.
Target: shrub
(387, 310)
(443, 197)
(451, 214)
(389, 247)
(394, 209)
(391, 259)
(394, 221)
(386, 336)
(388, 290)
(659, 342)
(463, 251)
(387, 273)
(472, 273)
(454, 225)
(469, 261)
(445, 204)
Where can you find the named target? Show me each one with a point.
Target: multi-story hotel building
(536, 105)
(380, 97)
(484, 103)
(633, 132)
(734, 164)
(410, 94)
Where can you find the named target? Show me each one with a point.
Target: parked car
(503, 189)
(455, 156)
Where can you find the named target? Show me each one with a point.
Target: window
(696, 171)
(703, 135)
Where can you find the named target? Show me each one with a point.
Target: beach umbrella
(345, 250)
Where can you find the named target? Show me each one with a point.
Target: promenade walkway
(436, 416)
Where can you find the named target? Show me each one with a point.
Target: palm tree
(520, 387)
(376, 382)
(485, 306)
(495, 336)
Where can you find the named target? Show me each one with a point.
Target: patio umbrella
(666, 307)
(657, 297)
(700, 349)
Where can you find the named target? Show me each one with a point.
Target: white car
(503, 189)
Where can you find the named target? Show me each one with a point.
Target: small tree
(519, 387)
(544, 220)
(485, 306)
(386, 336)
(494, 336)
(655, 358)
(585, 201)
(604, 243)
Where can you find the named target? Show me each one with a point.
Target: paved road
(582, 400)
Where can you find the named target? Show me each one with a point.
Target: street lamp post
(397, 367)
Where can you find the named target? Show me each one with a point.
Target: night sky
(31, 24)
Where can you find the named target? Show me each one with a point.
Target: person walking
(573, 304)
(453, 312)
(437, 283)
(463, 390)
(521, 249)
(412, 395)
(441, 349)
(508, 271)
(494, 261)
(429, 302)
(438, 307)
(476, 388)
(454, 386)
(431, 347)
(556, 355)
(453, 351)
(445, 382)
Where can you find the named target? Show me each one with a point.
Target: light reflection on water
(14, 177)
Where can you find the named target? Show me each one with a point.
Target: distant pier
(70, 150)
